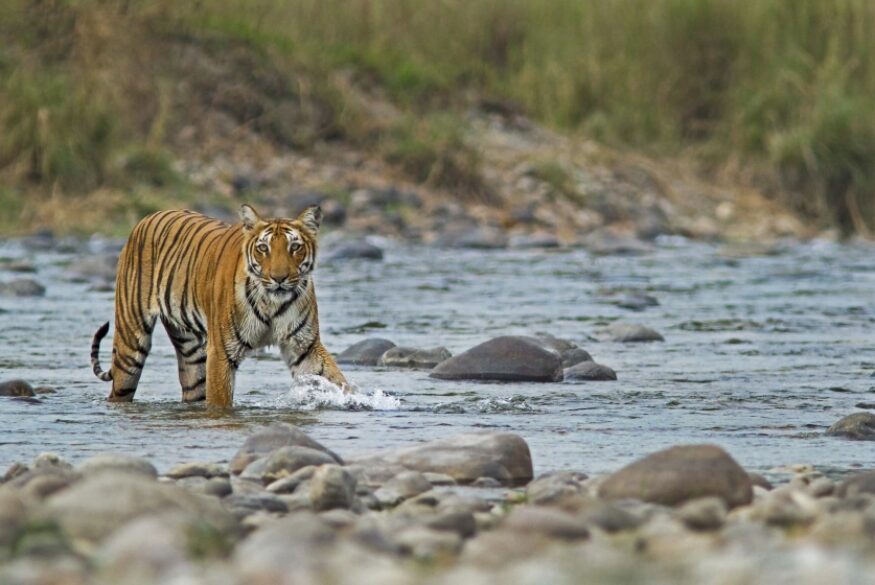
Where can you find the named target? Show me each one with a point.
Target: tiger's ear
(311, 218)
(249, 216)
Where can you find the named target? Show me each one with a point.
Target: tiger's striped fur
(220, 291)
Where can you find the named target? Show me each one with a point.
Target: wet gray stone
(554, 488)
(270, 439)
(572, 357)
(703, 513)
(16, 388)
(629, 333)
(366, 352)
(478, 238)
(244, 504)
(546, 522)
(290, 483)
(861, 483)
(679, 474)
(859, 426)
(403, 486)
(286, 461)
(411, 357)
(93, 508)
(22, 287)
(331, 487)
(466, 457)
(117, 462)
(589, 371)
(197, 469)
(606, 242)
(529, 241)
(100, 267)
(356, 250)
(507, 358)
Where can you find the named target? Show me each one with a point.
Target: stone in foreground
(859, 426)
(93, 508)
(679, 474)
(861, 483)
(366, 352)
(467, 457)
(589, 371)
(506, 359)
(269, 440)
(629, 333)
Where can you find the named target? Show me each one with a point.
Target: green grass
(783, 89)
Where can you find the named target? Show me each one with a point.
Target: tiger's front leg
(313, 359)
(220, 376)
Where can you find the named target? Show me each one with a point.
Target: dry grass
(783, 89)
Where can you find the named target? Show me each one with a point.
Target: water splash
(317, 393)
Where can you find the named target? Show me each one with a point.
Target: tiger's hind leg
(130, 348)
(191, 357)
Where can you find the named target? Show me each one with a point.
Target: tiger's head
(280, 253)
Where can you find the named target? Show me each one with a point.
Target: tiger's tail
(95, 349)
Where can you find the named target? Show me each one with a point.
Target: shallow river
(762, 353)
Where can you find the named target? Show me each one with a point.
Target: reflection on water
(762, 353)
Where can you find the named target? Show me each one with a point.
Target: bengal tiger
(220, 291)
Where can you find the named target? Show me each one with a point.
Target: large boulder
(507, 358)
(466, 457)
(366, 352)
(269, 440)
(859, 426)
(679, 474)
(91, 509)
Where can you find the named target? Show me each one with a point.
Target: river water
(763, 351)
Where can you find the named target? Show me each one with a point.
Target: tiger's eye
(294, 246)
(261, 248)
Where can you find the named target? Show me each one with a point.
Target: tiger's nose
(279, 276)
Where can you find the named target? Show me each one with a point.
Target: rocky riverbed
(463, 509)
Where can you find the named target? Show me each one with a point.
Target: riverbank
(287, 509)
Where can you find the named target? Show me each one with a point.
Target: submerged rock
(508, 358)
(679, 474)
(270, 439)
(629, 333)
(16, 388)
(590, 371)
(467, 457)
(410, 357)
(22, 287)
(357, 250)
(366, 352)
(859, 426)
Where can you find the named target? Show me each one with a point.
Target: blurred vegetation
(779, 92)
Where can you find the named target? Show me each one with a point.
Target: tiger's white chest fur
(273, 319)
